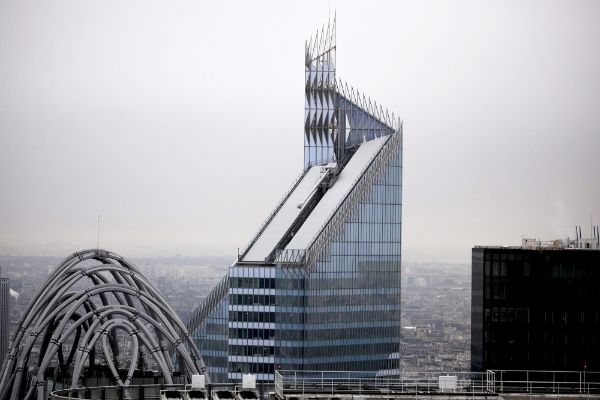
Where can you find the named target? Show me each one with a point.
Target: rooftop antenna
(98, 242)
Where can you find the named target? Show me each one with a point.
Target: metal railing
(146, 392)
(365, 383)
(554, 382)
(270, 217)
(151, 392)
(310, 383)
(470, 383)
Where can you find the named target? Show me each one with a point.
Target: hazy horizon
(180, 124)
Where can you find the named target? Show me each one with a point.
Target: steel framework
(89, 296)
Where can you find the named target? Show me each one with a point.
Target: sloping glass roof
(336, 194)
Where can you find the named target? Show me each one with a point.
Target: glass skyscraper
(318, 286)
(536, 307)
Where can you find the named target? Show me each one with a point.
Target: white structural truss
(87, 298)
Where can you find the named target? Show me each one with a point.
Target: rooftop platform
(382, 385)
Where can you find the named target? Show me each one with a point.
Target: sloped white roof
(284, 218)
(336, 194)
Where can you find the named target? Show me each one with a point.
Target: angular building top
(334, 239)
(338, 120)
(336, 117)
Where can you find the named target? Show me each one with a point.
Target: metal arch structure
(89, 296)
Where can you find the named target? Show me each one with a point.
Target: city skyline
(106, 110)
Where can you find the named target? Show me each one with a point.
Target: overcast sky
(181, 123)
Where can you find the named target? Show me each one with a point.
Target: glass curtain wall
(211, 340)
(252, 322)
(342, 315)
(353, 295)
(538, 309)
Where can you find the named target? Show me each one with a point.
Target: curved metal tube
(144, 315)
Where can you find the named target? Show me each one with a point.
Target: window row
(572, 317)
(353, 333)
(248, 368)
(266, 334)
(354, 300)
(333, 364)
(542, 338)
(349, 350)
(549, 291)
(252, 351)
(252, 299)
(251, 316)
(572, 271)
(267, 317)
(244, 333)
(504, 257)
(252, 283)
(354, 316)
(510, 336)
(373, 280)
(365, 248)
(506, 315)
(558, 270)
(504, 268)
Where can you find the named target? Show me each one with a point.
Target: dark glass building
(536, 307)
(318, 286)
(4, 315)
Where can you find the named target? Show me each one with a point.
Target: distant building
(318, 286)
(4, 315)
(536, 307)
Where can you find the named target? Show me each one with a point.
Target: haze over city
(180, 124)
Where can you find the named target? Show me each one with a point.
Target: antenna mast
(98, 242)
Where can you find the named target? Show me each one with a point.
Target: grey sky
(180, 123)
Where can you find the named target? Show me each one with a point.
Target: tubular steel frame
(60, 308)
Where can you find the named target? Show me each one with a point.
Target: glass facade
(535, 309)
(211, 337)
(353, 294)
(342, 313)
(334, 304)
